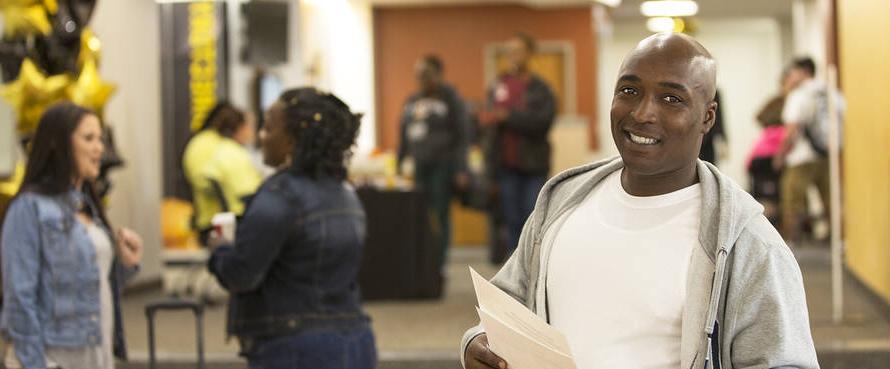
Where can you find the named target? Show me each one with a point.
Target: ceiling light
(609, 3)
(660, 24)
(669, 8)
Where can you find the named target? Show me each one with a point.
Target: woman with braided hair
(292, 269)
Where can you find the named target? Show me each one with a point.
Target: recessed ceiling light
(669, 8)
(609, 3)
(660, 24)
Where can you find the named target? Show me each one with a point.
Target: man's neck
(521, 72)
(659, 184)
(431, 92)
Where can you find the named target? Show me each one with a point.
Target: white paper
(519, 350)
(516, 334)
(497, 303)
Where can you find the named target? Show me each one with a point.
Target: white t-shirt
(616, 281)
(800, 109)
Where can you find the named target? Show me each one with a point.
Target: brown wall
(459, 34)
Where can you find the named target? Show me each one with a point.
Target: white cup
(224, 226)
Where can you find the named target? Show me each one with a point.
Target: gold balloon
(19, 19)
(90, 48)
(51, 5)
(10, 186)
(31, 93)
(89, 90)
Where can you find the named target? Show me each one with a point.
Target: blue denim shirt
(296, 258)
(51, 279)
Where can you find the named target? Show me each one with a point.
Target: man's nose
(644, 111)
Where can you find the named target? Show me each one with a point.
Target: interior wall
(866, 139)
(808, 23)
(131, 59)
(240, 74)
(459, 35)
(749, 62)
(336, 43)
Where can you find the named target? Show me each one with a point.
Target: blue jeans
(316, 349)
(519, 192)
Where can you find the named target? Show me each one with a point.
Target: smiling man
(656, 259)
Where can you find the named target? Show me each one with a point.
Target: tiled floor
(429, 331)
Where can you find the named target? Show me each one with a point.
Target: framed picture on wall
(554, 62)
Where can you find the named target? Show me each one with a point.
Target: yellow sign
(202, 66)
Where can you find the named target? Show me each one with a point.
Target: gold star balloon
(90, 48)
(31, 93)
(51, 5)
(10, 186)
(22, 17)
(89, 90)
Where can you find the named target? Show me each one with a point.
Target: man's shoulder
(807, 91)
(760, 244)
(538, 82)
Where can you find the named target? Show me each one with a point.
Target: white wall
(807, 18)
(337, 42)
(240, 75)
(130, 39)
(749, 61)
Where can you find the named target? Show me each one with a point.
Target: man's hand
(493, 117)
(478, 356)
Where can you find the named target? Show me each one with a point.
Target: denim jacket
(295, 260)
(51, 279)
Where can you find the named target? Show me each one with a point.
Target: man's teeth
(642, 140)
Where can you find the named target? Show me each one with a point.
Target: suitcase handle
(197, 309)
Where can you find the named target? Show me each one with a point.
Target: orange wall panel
(459, 35)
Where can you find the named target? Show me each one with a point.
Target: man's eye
(628, 90)
(672, 99)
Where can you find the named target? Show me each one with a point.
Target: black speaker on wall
(267, 32)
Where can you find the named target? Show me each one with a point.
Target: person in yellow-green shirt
(219, 167)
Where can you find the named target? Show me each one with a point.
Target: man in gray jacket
(656, 259)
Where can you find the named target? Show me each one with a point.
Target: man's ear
(710, 117)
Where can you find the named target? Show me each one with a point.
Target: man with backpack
(804, 151)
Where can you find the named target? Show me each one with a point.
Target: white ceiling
(630, 8)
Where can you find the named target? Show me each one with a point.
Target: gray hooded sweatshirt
(745, 305)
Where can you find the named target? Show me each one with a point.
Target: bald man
(656, 259)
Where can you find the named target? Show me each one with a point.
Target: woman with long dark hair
(62, 264)
(292, 271)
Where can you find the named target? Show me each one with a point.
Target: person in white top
(802, 162)
(645, 242)
(655, 259)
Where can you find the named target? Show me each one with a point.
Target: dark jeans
(519, 191)
(316, 349)
(436, 180)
